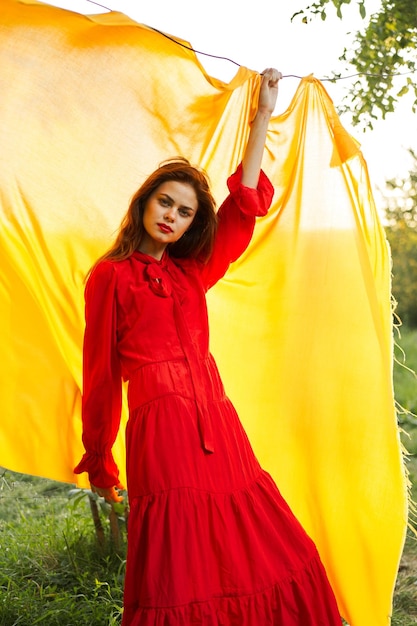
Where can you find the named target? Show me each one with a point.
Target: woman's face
(168, 214)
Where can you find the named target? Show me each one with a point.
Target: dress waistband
(199, 381)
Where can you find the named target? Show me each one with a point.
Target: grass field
(53, 572)
(405, 384)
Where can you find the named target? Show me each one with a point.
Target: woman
(210, 540)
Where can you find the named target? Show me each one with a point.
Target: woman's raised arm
(252, 158)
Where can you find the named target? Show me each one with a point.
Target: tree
(401, 207)
(401, 215)
(384, 54)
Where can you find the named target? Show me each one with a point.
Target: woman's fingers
(110, 494)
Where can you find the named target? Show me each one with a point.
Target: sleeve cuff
(101, 468)
(255, 202)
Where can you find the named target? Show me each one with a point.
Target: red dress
(211, 541)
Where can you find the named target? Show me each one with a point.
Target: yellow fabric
(301, 325)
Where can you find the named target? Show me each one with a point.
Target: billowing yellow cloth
(301, 325)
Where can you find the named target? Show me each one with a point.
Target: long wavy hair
(197, 241)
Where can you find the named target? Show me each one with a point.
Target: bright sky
(258, 34)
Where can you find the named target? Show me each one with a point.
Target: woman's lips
(165, 228)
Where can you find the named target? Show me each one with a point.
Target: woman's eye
(164, 202)
(184, 213)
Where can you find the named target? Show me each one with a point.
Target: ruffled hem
(303, 599)
(233, 558)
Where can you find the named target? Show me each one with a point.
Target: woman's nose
(170, 214)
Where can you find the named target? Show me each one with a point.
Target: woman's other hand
(110, 494)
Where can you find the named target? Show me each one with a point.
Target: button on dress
(211, 541)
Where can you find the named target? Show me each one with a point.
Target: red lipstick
(165, 228)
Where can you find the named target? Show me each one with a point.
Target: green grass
(405, 384)
(53, 572)
(405, 381)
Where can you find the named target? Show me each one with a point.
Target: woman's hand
(109, 494)
(269, 90)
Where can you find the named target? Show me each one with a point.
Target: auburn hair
(197, 241)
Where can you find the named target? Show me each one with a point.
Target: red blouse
(141, 314)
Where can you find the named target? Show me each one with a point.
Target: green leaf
(295, 15)
(403, 91)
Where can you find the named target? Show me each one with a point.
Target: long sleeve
(237, 216)
(102, 384)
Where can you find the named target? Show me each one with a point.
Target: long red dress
(211, 542)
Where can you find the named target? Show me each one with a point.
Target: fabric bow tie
(157, 280)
